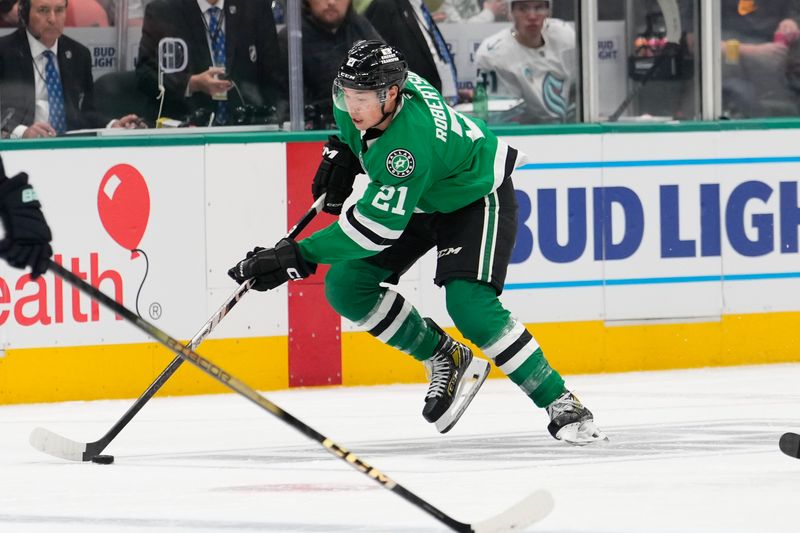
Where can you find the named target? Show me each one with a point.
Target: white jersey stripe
(487, 230)
(494, 229)
(389, 332)
(521, 356)
(358, 237)
(497, 347)
(378, 229)
(500, 163)
(483, 237)
(380, 311)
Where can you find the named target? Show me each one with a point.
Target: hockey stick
(531, 509)
(54, 444)
(790, 444)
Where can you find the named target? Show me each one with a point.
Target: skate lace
(440, 372)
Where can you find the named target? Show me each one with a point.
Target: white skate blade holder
(582, 433)
(468, 387)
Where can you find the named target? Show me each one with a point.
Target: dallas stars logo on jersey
(400, 163)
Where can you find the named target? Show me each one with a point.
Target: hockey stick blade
(526, 512)
(51, 443)
(56, 445)
(243, 389)
(790, 444)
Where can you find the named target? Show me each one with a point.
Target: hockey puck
(790, 444)
(103, 459)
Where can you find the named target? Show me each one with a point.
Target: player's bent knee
(350, 291)
(475, 309)
(336, 283)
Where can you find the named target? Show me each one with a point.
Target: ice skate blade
(468, 387)
(582, 434)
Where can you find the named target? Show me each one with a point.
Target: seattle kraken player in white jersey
(440, 179)
(534, 59)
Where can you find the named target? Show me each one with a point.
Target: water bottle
(480, 100)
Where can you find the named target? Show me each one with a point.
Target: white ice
(690, 451)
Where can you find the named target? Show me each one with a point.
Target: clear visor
(357, 100)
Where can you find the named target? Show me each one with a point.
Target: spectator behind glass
(8, 14)
(330, 29)
(757, 36)
(535, 60)
(46, 77)
(85, 13)
(240, 32)
(408, 26)
(472, 11)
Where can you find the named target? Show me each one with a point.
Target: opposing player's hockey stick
(790, 444)
(531, 509)
(54, 444)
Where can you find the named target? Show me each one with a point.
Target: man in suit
(46, 85)
(231, 43)
(408, 26)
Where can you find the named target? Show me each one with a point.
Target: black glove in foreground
(272, 267)
(27, 239)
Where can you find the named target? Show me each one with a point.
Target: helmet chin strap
(386, 114)
(382, 120)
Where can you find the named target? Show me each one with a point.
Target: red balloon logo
(123, 202)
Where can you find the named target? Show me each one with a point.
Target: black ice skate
(455, 377)
(571, 422)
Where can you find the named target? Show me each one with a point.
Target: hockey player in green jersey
(436, 178)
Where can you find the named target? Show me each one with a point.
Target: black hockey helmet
(373, 65)
(370, 66)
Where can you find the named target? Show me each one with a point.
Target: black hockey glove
(27, 239)
(335, 176)
(272, 267)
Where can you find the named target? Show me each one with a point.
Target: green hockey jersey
(429, 159)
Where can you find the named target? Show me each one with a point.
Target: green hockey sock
(481, 318)
(398, 323)
(353, 288)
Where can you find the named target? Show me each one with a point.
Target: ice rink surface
(690, 451)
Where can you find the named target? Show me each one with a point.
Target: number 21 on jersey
(385, 199)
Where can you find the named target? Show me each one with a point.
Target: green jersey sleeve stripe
(376, 227)
(361, 235)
